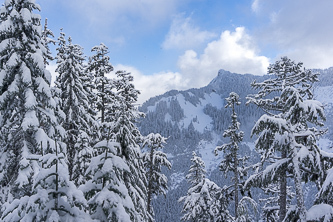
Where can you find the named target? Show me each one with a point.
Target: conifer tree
(124, 115)
(99, 65)
(232, 162)
(205, 201)
(284, 130)
(103, 98)
(197, 170)
(108, 195)
(154, 159)
(76, 106)
(29, 128)
(26, 104)
(46, 40)
(54, 196)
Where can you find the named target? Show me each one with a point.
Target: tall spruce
(154, 159)
(99, 65)
(75, 103)
(108, 197)
(126, 133)
(232, 162)
(26, 104)
(107, 193)
(285, 141)
(54, 197)
(47, 36)
(205, 201)
(29, 128)
(101, 88)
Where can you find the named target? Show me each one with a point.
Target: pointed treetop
(197, 170)
(232, 99)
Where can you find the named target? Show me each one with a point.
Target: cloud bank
(300, 29)
(233, 51)
(183, 34)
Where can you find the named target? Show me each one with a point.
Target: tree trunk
(299, 189)
(103, 102)
(236, 180)
(150, 182)
(283, 192)
(57, 180)
(235, 157)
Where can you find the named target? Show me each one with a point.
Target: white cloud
(255, 5)
(300, 29)
(183, 34)
(156, 84)
(233, 51)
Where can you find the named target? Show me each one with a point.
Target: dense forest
(73, 150)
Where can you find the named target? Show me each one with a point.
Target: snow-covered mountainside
(194, 120)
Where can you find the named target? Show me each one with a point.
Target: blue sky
(181, 44)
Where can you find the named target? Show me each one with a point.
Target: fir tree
(205, 201)
(99, 66)
(46, 40)
(54, 196)
(284, 130)
(108, 197)
(26, 104)
(124, 115)
(197, 170)
(231, 161)
(154, 159)
(103, 99)
(76, 106)
(29, 127)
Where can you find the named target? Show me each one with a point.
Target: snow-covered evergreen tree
(284, 133)
(54, 196)
(127, 198)
(75, 104)
(88, 84)
(101, 88)
(26, 104)
(107, 195)
(29, 128)
(154, 159)
(205, 201)
(46, 40)
(126, 133)
(99, 66)
(232, 162)
(197, 170)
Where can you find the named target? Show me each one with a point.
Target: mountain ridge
(194, 120)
